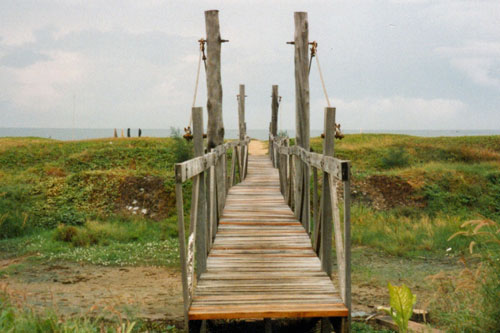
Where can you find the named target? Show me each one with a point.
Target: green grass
(74, 201)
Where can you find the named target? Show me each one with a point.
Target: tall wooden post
(274, 108)
(326, 216)
(215, 132)
(241, 113)
(301, 42)
(327, 222)
(201, 221)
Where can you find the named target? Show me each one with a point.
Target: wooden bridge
(261, 227)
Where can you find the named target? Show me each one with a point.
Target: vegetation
(111, 202)
(402, 302)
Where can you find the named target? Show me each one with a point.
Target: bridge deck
(262, 264)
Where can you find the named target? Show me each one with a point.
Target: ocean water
(261, 134)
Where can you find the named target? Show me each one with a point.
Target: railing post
(274, 122)
(182, 248)
(347, 240)
(202, 236)
(326, 224)
(241, 113)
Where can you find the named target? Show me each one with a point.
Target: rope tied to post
(187, 130)
(314, 54)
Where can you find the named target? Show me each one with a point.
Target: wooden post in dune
(215, 132)
(301, 43)
(201, 220)
(274, 109)
(274, 123)
(242, 126)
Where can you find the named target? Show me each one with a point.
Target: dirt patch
(256, 147)
(150, 293)
(145, 196)
(385, 192)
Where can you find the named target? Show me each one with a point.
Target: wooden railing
(291, 161)
(210, 183)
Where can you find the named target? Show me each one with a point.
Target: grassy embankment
(427, 188)
(110, 202)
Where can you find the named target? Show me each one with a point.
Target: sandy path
(257, 147)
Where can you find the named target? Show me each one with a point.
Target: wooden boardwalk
(262, 264)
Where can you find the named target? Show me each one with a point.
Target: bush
(395, 157)
(182, 149)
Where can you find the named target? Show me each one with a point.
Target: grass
(110, 202)
(20, 318)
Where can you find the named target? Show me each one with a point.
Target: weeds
(470, 301)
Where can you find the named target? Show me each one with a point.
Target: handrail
(206, 206)
(290, 161)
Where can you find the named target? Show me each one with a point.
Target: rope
(204, 58)
(314, 53)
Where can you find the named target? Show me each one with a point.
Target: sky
(396, 65)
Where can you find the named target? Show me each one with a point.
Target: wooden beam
(188, 169)
(215, 130)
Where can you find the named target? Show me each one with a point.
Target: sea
(67, 134)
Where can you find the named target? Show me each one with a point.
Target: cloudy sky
(398, 64)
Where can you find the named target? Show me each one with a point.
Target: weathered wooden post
(215, 132)
(326, 214)
(274, 108)
(242, 126)
(301, 42)
(274, 122)
(241, 113)
(201, 221)
(115, 134)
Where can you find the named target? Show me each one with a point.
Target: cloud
(479, 60)
(393, 112)
(38, 86)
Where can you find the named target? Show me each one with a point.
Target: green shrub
(181, 149)
(395, 157)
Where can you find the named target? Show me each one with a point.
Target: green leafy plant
(402, 302)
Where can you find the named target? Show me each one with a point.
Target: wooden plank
(262, 263)
(188, 169)
(268, 311)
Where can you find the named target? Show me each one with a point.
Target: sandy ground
(73, 289)
(257, 148)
